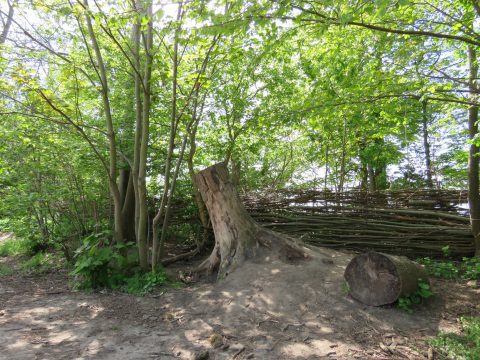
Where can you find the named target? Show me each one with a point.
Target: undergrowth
(467, 268)
(101, 265)
(15, 247)
(464, 346)
(43, 262)
(5, 270)
(424, 291)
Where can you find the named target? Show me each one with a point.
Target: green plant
(468, 268)
(15, 247)
(43, 262)
(440, 269)
(446, 251)
(423, 292)
(141, 284)
(465, 346)
(5, 270)
(98, 264)
(471, 268)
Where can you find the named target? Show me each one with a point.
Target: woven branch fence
(412, 223)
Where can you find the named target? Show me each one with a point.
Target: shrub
(98, 264)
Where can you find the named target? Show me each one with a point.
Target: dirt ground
(265, 310)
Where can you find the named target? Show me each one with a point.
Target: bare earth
(265, 310)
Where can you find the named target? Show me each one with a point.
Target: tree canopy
(110, 107)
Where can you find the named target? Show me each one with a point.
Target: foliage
(98, 264)
(16, 247)
(5, 270)
(43, 262)
(423, 292)
(468, 268)
(465, 346)
(143, 283)
(267, 86)
(440, 269)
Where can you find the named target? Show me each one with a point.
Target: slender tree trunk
(473, 160)
(168, 207)
(138, 83)
(325, 182)
(128, 205)
(426, 144)
(343, 157)
(143, 147)
(173, 132)
(8, 21)
(202, 210)
(112, 147)
(371, 177)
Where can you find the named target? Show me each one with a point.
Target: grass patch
(5, 270)
(143, 283)
(43, 262)
(465, 346)
(15, 247)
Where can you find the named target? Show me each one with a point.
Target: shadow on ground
(265, 310)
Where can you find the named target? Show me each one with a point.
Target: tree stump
(379, 279)
(237, 236)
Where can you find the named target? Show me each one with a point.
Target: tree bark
(237, 236)
(378, 279)
(157, 220)
(128, 204)
(426, 145)
(473, 160)
(8, 22)
(119, 235)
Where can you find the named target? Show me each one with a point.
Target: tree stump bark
(237, 236)
(379, 279)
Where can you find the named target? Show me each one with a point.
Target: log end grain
(378, 279)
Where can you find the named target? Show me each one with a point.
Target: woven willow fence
(413, 223)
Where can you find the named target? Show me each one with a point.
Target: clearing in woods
(267, 310)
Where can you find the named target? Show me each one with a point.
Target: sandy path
(265, 311)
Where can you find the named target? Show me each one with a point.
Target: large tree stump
(378, 279)
(237, 236)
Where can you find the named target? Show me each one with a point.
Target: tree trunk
(237, 236)
(128, 204)
(473, 160)
(426, 144)
(8, 22)
(371, 177)
(378, 279)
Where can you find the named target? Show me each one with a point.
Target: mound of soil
(265, 310)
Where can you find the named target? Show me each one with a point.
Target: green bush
(98, 264)
(465, 346)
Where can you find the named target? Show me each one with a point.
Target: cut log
(378, 279)
(237, 236)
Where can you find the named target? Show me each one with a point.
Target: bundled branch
(413, 223)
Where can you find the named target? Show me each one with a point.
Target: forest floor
(266, 310)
